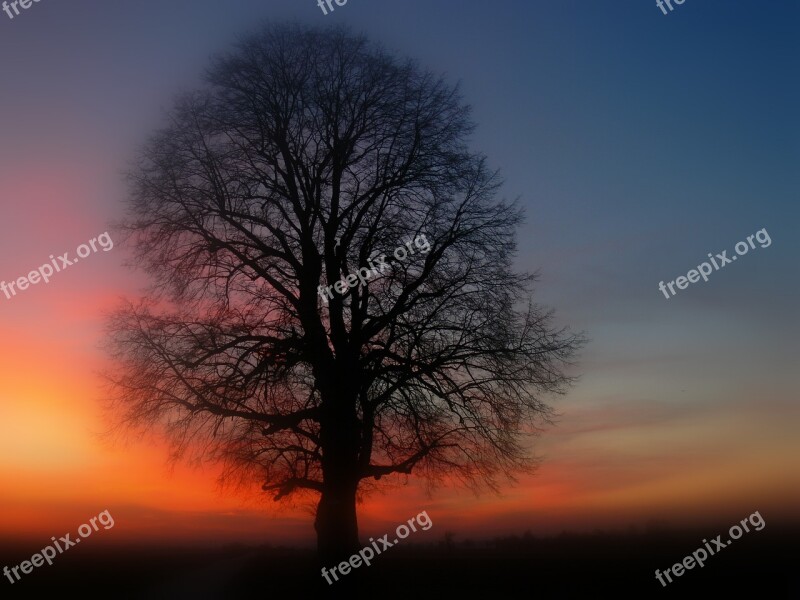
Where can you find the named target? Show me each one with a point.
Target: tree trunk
(336, 523)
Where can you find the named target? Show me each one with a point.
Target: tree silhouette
(311, 154)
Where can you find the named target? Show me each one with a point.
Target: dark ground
(765, 564)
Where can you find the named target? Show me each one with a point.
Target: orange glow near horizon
(59, 471)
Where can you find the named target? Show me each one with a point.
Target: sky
(637, 143)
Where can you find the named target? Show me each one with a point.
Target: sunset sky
(637, 142)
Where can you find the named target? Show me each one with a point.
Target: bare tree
(310, 157)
